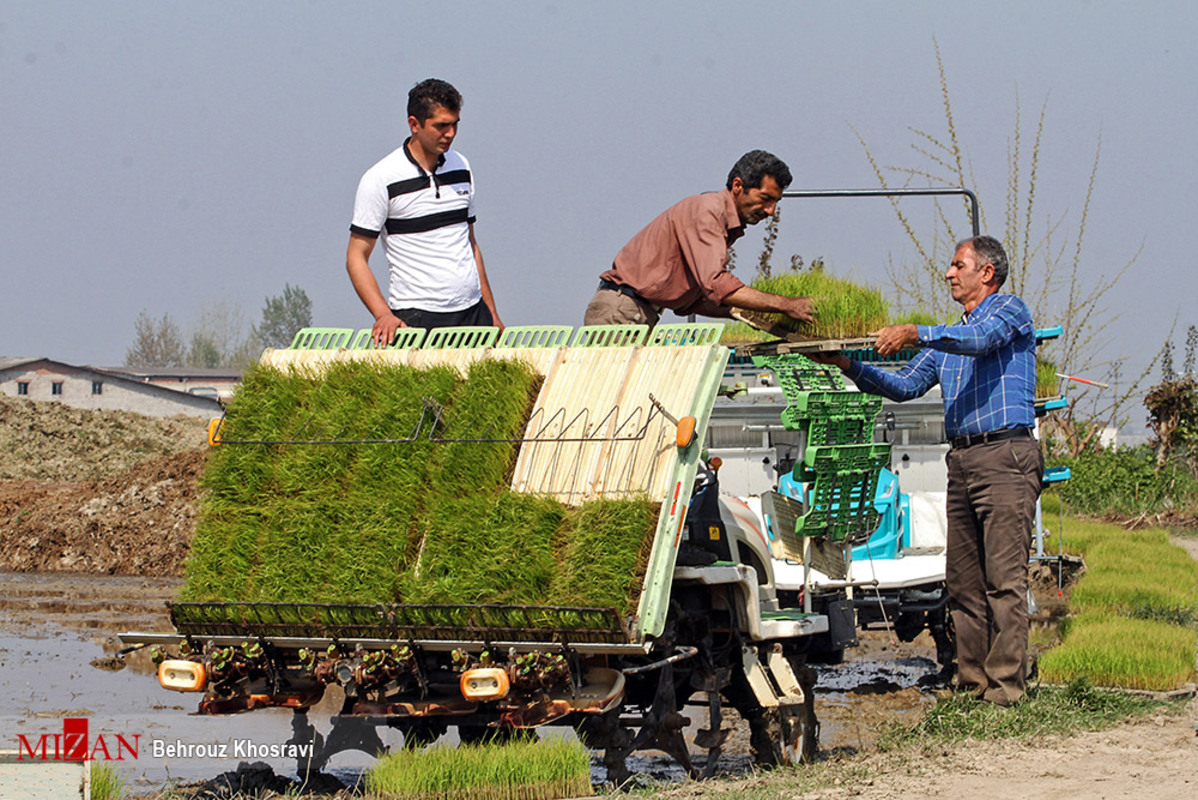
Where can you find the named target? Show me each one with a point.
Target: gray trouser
(608, 307)
(992, 492)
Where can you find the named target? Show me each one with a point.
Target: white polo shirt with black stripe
(424, 221)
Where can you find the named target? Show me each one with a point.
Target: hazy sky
(166, 156)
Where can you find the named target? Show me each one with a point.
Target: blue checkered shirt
(985, 365)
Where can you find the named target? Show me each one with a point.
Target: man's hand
(800, 308)
(892, 339)
(383, 332)
(834, 357)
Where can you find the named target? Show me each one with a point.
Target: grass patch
(1045, 710)
(521, 770)
(106, 782)
(424, 521)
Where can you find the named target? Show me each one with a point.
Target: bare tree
(220, 338)
(156, 343)
(1045, 252)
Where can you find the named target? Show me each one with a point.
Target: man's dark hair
(755, 165)
(989, 251)
(429, 95)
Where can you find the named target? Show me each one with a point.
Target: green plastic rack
(841, 483)
(322, 338)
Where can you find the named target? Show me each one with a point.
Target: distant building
(45, 379)
(204, 382)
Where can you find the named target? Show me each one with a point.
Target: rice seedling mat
(599, 441)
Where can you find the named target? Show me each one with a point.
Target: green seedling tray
(796, 374)
(405, 339)
(841, 484)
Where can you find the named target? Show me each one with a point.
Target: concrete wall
(116, 394)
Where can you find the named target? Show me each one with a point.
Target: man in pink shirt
(680, 260)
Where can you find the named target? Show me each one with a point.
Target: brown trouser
(609, 307)
(992, 492)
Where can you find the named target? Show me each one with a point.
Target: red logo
(76, 744)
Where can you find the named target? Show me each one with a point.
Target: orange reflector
(485, 683)
(214, 427)
(715, 462)
(686, 431)
(182, 676)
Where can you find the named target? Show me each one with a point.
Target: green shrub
(1126, 481)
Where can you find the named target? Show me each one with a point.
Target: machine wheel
(783, 734)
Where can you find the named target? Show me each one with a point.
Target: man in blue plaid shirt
(986, 367)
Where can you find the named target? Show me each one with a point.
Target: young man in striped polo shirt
(420, 199)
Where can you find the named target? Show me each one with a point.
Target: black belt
(969, 440)
(612, 286)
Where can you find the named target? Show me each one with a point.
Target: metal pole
(925, 192)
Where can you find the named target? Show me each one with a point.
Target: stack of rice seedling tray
(440, 492)
(840, 465)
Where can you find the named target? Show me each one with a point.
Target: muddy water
(57, 640)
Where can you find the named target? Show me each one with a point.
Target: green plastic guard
(322, 338)
(464, 338)
(610, 336)
(684, 333)
(535, 336)
(405, 339)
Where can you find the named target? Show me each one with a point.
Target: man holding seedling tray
(680, 260)
(986, 368)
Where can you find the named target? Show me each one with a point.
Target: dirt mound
(137, 523)
(54, 442)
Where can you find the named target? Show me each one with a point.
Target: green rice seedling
(519, 770)
(916, 317)
(1139, 576)
(1079, 535)
(603, 553)
(492, 403)
(330, 516)
(843, 309)
(495, 548)
(106, 782)
(1109, 650)
(1047, 383)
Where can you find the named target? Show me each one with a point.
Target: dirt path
(1152, 758)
